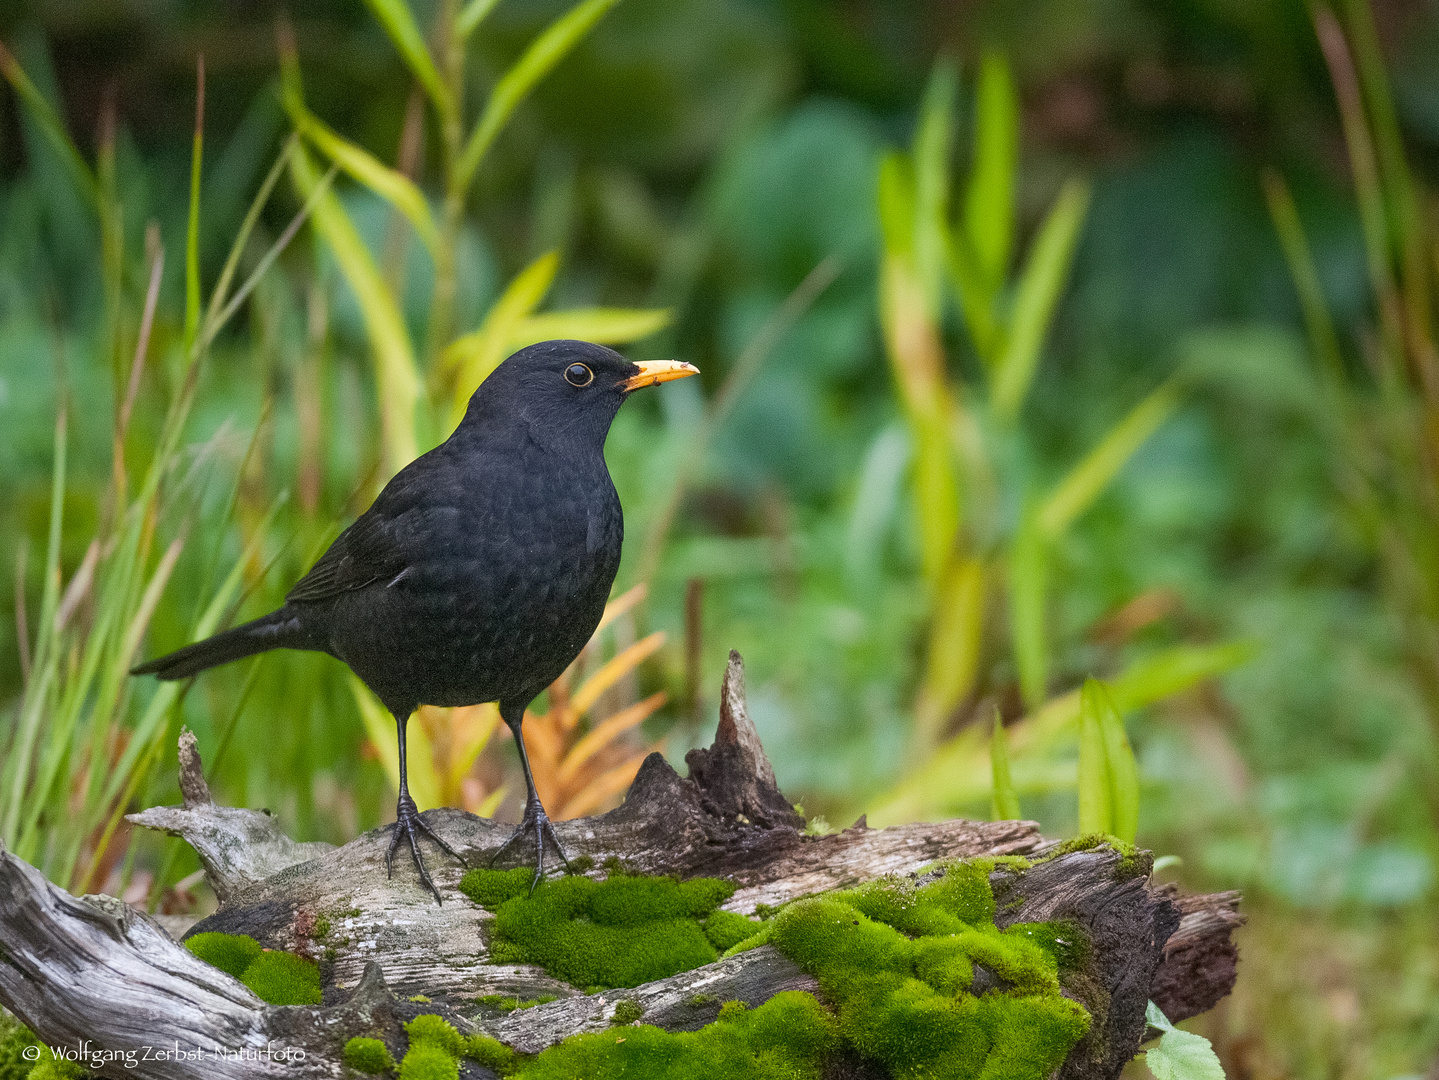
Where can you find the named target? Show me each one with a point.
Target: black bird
(480, 571)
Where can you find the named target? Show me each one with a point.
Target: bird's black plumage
(481, 569)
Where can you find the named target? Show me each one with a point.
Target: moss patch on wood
(279, 978)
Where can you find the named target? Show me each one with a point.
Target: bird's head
(567, 388)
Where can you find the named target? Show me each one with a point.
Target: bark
(90, 968)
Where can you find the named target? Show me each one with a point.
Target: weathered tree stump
(92, 968)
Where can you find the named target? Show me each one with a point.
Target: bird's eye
(579, 375)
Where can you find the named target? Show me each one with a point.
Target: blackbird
(480, 571)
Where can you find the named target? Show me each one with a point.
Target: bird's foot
(538, 822)
(409, 825)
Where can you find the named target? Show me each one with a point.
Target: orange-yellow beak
(653, 372)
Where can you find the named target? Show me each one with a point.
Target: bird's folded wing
(364, 554)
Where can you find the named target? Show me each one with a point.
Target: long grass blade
(547, 50)
(1028, 592)
(399, 22)
(1119, 756)
(1318, 323)
(471, 15)
(1096, 811)
(989, 200)
(932, 151)
(51, 126)
(192, 228)
(956, 635)
(1040, 284)
(613, 670)
(605, 732)
(1004, 802)
(1088, 479)
(604, 326)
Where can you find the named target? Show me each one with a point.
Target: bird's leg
(408, 823)
(535, 817)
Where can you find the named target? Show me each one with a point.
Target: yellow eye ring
(579, 375)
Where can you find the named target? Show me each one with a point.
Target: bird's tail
(277, 630)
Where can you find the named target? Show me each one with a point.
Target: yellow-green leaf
(955, 636)
(1084, 483)
(603, 326)
(471, 15)
(1045, 273)
(1004, 803)
(932, 141)
(1119, 756)
(989, 201)
(391, 185)
(476, 354)
(51, 126)
(1028, 586)
(396, 377)
(538, 60)
(420, 775)
(395, 16)
(1096, 814)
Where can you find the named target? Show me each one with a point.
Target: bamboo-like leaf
(976, 301)
(1123, 769)
(1096, 810)
(1028, 589)
(192, 229)
(605, 732)
(476, 354)
(613, 670)
(390, 184)
(547, 50)
(51, 126)
(604, 326)
(393, 356)
(1004, 802)
(395, 16)
(932, 146)
(420, 775)
(470, 17)
(989, 200)
(1084, 483)
(955, 775)
(1317, 321)
(955, 637)
(1040, 284)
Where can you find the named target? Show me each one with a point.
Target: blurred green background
(705, 156)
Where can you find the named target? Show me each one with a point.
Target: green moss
(510, 1004)
(490, 1053)
(436, 1031)
(426, 1061)
(279, 978)
(897, 962)
(786, 1038)
(627, 1011)
(322, 927)
(1064, 940)
(726, 929)
(620, 932)
(282, 978)
(231, 953)
(15, 1039)
(368, 1056)
(420, 999)
(580, 864)
(49, 1067)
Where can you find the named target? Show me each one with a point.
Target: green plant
(369, 1056)
(963, 440)
(280, 978)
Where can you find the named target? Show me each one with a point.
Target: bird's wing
(364, 554)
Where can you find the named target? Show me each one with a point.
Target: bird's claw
(538, 821)
(408, 825)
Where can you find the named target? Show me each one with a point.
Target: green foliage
(726, 929)
(436, 1031)
(1108, 774)
(897, 962)
(620, 932)
(786, 1038)
(280, 978)
(15, 1039)
(1004, 802)
(1180, 1055)
(434, 1052)
(490, 1053)
(627, 1011)
(368, 1056)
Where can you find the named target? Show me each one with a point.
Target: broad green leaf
(989, 201)
(1180, 1055)
(1041, 282)
(1176, 670)
(395, 16)
(932, 143)
(1028, 587)
(1119, 756)
(397, 380)
(895, 187)
(1004, 803)
(603, 326)
(514, 86)
(1084, 483)
(471, 15)
(420, 774)
(476, 354)
(390, 184)
(192, 230)
(51, 126)
(1096, 810)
